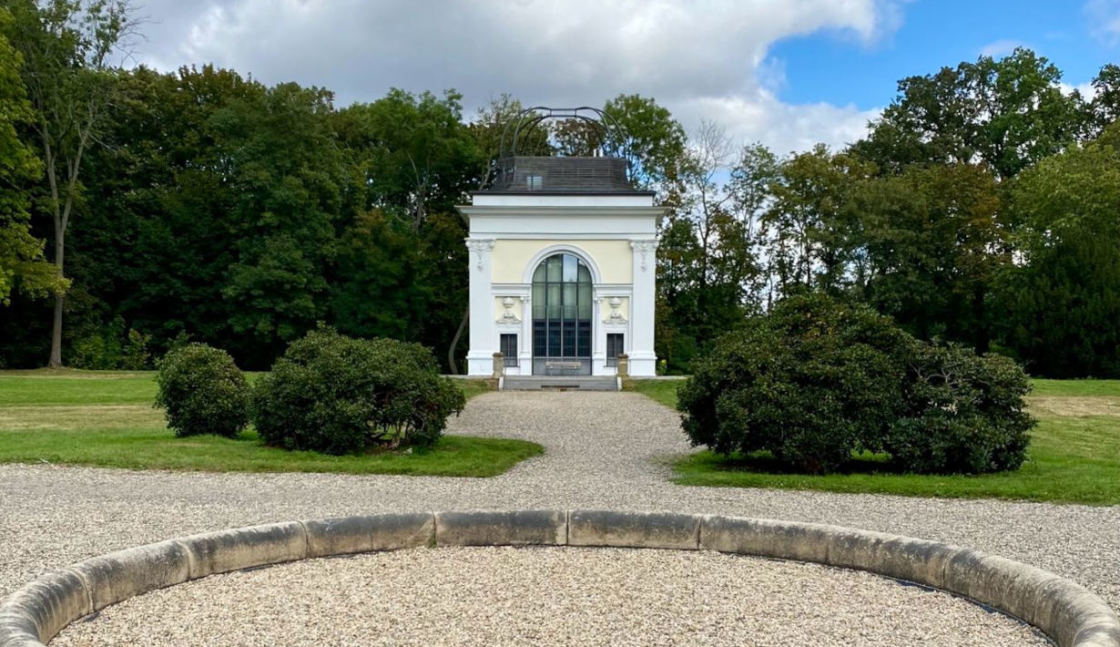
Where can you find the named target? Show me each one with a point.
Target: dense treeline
(200, 204)
(983, 207)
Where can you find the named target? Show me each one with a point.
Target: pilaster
(483, 338)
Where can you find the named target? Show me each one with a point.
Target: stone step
(559, 383)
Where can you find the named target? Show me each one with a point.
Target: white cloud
(1088, 92)
(782, 127)
(1000, 48)
(700, 59)
(1104, 20)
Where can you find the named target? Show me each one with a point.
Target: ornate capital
(645, 249)
(480, 247)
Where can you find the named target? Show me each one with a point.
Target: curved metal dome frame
(525, 121)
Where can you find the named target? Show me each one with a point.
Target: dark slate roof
(562, 175)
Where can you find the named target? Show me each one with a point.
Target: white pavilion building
(562, 269)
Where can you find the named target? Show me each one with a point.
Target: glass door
(562, 317)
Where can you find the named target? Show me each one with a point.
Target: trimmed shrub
(962, 413)
(202, 391)
(338, 395)
(808, 382)
(817, 379)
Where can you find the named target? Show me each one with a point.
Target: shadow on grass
(764, 462)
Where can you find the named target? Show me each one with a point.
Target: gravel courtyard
(601, 450)
(548, 596)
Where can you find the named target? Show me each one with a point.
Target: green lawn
(106, 419)
(1074, 455)
(663, 391)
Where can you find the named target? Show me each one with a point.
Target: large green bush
(805, 382)
(339, 395)
(962, 413)
(202, 391)
(817, 379)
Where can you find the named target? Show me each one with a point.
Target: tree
(1106, 102)
(418, 162)
(810, 221)
(751, 190)
(22, 265)
(1062, 297)
(932, 240)
(647, 134)
(66, 46)
(285, 179)
(708, 274)
(380, 289)
(168, 208)
(421, 157)
(577, 137)
(1009, 113)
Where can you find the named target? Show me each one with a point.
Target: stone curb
(517, 528)
(1068, 613)
(634, 529)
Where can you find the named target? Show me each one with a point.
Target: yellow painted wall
(614, 258)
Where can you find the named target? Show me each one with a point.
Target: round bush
(338, 395)
(202, 391)
(962, 413)
(817, 379)
(806, 382)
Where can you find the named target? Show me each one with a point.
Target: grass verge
(1074, 455)
(106, 419)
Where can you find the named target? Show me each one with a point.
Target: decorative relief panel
(614, 309)
(508, 309)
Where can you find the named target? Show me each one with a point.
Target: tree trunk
(55, 360)
(455, 341)
(56, 334)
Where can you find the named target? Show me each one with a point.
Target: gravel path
(548, 596)
(602, 450)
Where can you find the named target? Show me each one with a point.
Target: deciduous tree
(22, 265)
(1009, 113)
(66, 47)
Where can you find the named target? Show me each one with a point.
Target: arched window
(562, 316)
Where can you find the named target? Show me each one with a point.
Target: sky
(787, 73)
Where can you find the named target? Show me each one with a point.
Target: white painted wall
(537, 200)
(510, 235)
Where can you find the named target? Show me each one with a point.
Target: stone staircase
(558, 383)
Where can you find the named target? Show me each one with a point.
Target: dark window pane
(538, 301)
(509, 349)
(585, 302)
(554, 301)
(614, 348)
(584, 338)
(540, 339)
(569, 341)
(569, 300)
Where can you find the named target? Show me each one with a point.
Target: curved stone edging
(1068, 613)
